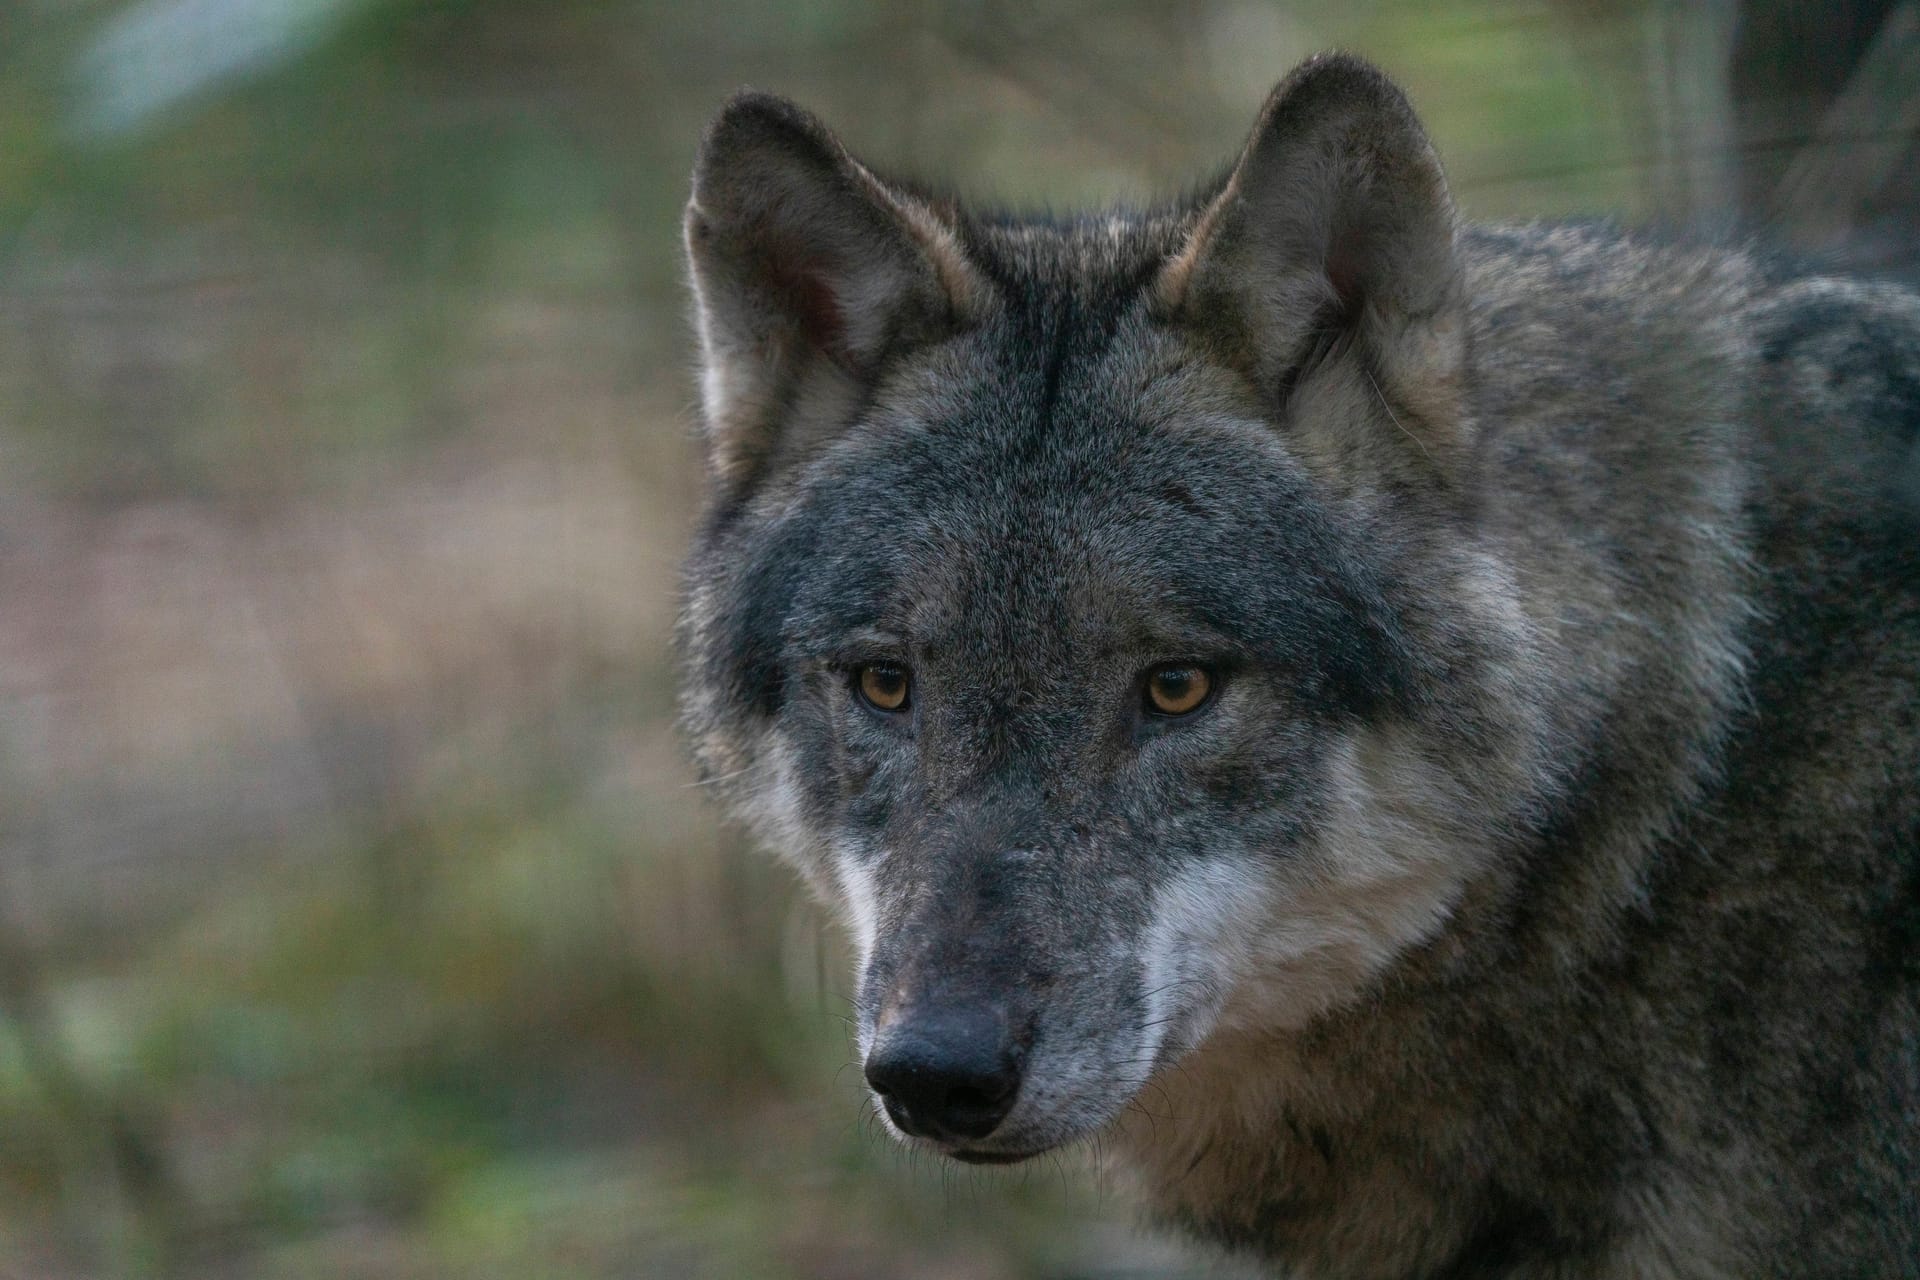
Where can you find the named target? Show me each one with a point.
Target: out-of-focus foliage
(358, 916)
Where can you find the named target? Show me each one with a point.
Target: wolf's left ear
(1333, 238)
(806, 271)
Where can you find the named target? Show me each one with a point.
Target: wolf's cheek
(790, 808)
(1394, 841)
(1201, 936)
(859, 897)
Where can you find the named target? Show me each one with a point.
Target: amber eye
(1177, 689)
(883, 685)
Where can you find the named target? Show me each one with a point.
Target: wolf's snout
(949, 1074)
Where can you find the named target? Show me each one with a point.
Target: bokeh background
(359, 916)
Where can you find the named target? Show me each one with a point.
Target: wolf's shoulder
(1785, 306)
(1627, 324)
(1577, 261)
(1595, 304)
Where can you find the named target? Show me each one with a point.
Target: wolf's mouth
(969, 1156)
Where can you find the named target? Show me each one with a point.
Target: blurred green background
(358, 914)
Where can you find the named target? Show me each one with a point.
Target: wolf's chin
(996, 1148)
(986, 1150)
(977, 1154)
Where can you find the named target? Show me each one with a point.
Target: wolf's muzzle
(948, 1074)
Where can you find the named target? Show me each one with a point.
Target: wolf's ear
(807, 270)
(1334, 236)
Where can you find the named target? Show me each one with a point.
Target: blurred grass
(357, 916)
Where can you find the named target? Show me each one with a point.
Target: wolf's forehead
(1082, 496)
(1029, 541)
(1085, 529)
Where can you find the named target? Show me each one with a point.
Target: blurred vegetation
(358, 916)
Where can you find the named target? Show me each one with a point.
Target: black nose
(953, 1073)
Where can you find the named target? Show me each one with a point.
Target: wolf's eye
(883, 686)
(1176, 689)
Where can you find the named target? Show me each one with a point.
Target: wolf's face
(1043, 614)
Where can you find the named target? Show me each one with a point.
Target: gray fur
(1539, 893)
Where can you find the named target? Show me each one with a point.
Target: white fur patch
(860, 903)
(1388, 872)
(1204, 922)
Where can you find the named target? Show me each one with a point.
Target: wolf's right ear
(807, 271)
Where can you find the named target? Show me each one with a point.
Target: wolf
(1409, 730)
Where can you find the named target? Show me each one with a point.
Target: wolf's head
(1091, 609)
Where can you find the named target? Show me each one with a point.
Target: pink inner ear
(802, 281)
(1343, 268)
